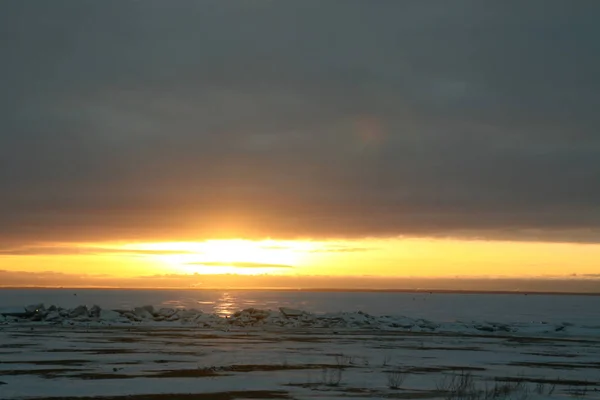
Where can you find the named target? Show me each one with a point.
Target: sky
(299, 139)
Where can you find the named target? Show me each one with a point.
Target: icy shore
(281, 318)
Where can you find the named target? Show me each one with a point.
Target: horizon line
(318, 290)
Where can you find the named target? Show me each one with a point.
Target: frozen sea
(441, 307)
(548, 348)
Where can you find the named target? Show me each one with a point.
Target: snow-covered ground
(48, 352)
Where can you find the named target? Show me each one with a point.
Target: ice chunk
(291, 312)
(80, 311)
(109, 315)
(142, 313)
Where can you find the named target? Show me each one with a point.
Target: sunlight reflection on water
(226, 305)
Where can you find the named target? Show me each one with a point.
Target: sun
(239, 256)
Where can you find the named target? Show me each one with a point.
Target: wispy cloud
(238, 264)
(342, 249)
(77, 250)
(55, 279)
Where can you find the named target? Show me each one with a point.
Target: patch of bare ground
(557, 381)
(563, 355)
(185, 373)
(16, 345)
(555, 365)
(255, 394)
(275, 367)
(441, 368)
(413, 395)
(48, 373)
(125, 340)
(362, 392)
(180, 353)
(125, 363)
(382, 394)
(161, 343)
(301, 339)
(554, 341)
(102, 375)
(49, 362)
(92, 351)
(220, 371)
(425, 348)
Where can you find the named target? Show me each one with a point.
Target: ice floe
(281, 318)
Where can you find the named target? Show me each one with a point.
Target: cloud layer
(239, 264)
(580, 284)
(167, 120)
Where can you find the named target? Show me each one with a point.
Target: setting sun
(237, 256)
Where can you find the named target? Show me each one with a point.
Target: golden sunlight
(239, 256)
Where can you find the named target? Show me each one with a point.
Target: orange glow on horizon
(392, 257)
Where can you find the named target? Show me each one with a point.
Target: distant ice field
(441, 307)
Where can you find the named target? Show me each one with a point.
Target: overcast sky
(190, 119)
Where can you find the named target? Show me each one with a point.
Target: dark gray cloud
(152, 120)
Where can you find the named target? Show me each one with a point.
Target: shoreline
(315, 290)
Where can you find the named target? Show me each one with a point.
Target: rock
(95, 311)
(109, 315)
(142, 313)
(52, 308)
(290, 312)
(78, 312)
